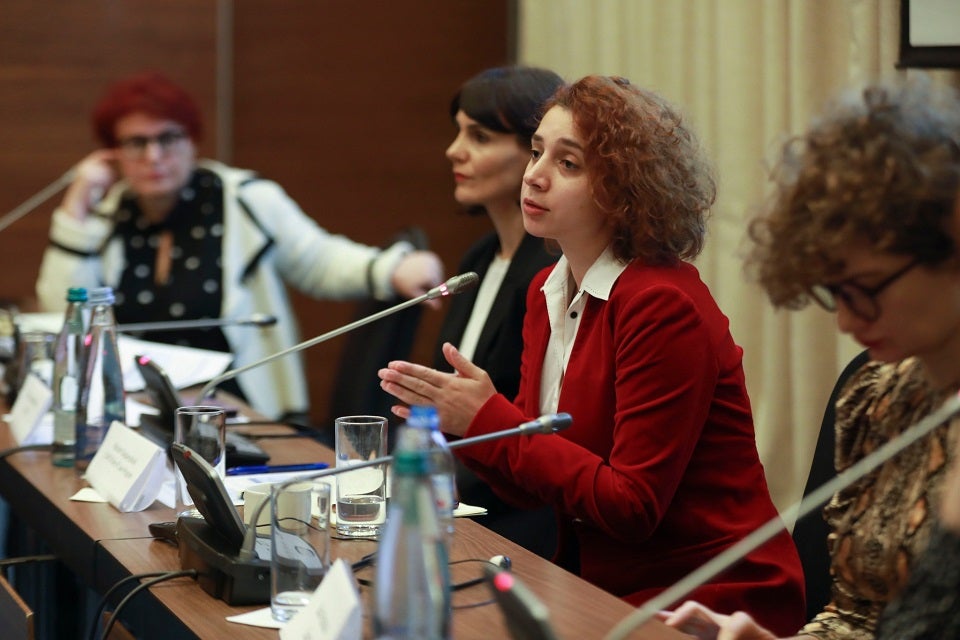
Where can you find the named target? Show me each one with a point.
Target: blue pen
(277, 468)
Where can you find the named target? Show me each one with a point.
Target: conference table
(101, 546)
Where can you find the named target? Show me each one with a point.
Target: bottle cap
(101, 295)
(424, 416)
(76, 294)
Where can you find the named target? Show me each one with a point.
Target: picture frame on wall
(929, 34)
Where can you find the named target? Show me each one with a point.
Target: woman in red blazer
(659, 472)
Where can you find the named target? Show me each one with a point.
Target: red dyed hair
(646, 168)
(151, 93)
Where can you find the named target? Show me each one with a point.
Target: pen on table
(276, 468)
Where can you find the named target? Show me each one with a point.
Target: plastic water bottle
(412, 588)
(101, 390)
(67, 363)
(442, 467)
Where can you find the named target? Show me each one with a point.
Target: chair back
(16, 618)
(810, 532)
(356, 389)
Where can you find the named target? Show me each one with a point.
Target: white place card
(128, 469)
(33, 402)
(333, 611)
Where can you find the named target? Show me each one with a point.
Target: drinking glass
(204, 429)
(300, 544)
(362, 493)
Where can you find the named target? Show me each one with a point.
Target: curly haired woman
(865, 222)
(659, 472)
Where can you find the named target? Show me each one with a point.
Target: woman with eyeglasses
(865, 221)
(180, 238)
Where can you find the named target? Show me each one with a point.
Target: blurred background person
(864, 220)
(180, 238)
(496, 113)
(659, 471)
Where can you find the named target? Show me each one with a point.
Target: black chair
(356, 390)
(810, 532)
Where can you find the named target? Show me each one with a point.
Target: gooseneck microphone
(454, 285)
(37, 199)
(256, 320)
(545, 424)
(774, 526)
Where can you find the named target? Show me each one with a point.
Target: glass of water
(362, 493)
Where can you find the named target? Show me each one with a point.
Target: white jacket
(267, 241)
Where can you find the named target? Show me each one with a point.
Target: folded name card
(333, 611)
(128, 469)
(26, 416)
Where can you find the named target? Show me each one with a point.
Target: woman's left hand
(457, 396)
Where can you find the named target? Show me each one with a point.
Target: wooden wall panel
(55, 59)
(343, 103)
(348, 109)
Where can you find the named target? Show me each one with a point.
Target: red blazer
(660, 471)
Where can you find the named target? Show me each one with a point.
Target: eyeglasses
(136, 147)
(862, 301)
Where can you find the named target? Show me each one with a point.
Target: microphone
(454, 285)
(527, 618)
(37, 199)
(735, 553)
(256, 320)
(545, 424)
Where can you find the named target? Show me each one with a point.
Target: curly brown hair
(881, 166)
(646, 168)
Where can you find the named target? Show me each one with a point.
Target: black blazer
(498, 352)
(501, 340)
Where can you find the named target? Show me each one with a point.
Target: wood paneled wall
(343, 103)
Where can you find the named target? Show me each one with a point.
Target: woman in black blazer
(496, 113)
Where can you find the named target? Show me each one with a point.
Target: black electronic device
(163, 394)
(210, 545)
(527, 618)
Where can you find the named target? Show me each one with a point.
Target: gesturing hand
(457, 396)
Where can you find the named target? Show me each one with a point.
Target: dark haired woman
(182, 239)
(495, 113)
(659, 472)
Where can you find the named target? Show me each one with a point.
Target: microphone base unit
(222, 575)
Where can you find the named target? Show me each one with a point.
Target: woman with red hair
(659, 472)
(180, 238)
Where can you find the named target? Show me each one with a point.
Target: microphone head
(560, 421)
(455, 285)
(548, 423)
(263, 320)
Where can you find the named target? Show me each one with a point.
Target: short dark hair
(507, 99)
(149, 92)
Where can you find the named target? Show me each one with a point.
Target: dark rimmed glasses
(861, 300)
(135, 147)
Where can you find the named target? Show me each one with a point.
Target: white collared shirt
(565, 316)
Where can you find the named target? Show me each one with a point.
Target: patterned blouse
(191, 289)
(882, 523)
